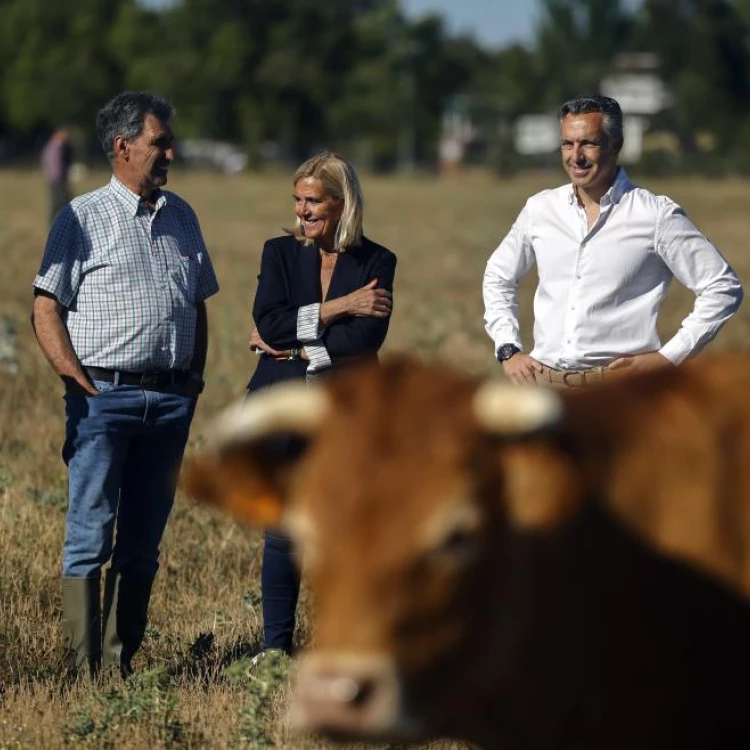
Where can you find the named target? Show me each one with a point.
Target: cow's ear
(539, 481)
(254, 449)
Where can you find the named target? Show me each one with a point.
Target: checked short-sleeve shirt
(129, 278)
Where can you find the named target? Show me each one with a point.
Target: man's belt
(150, 381)
(574, 378)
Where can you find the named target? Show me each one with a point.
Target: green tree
(349, 74)
(54, 64)
(576, 42)
(713, 90)
(705, 59)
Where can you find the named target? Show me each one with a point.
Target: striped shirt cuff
(318, 356)
(308, 323)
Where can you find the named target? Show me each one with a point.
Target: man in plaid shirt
(119, 312)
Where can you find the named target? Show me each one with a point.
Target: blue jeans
(280, 582)
(123, 450)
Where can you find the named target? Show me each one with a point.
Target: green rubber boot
(126, 601)
(81, 625)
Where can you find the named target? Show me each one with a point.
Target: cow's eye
(459, 545)
(453, 533)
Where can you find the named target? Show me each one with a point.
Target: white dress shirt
(600, 289)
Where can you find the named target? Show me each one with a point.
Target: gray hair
(340, 181)
(124, 116)
(609, 108)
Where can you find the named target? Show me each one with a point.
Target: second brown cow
(519, 568)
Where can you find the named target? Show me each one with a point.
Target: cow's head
(400, 505)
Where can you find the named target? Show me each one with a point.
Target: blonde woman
(324, 299)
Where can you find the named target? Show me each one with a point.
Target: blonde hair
(339, 181)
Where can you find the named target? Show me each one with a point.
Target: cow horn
(293, 406)
(515, 410)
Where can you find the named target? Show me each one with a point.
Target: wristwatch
(197, 378)
(506, 351)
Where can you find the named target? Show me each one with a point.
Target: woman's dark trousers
(280, 582)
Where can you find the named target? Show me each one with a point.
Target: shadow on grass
(203, 663)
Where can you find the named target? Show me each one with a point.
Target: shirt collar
(617, 189)
(130, 200)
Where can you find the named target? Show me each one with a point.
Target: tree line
(288, 77)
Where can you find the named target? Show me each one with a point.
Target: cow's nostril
(348, 690)
(364, 693)
(344, 689)
(346, 695)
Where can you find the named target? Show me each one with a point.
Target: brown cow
(520, 568)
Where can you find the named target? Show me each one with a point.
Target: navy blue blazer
(290, 278)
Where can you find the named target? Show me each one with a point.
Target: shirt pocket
(184, 263)
(189, 270)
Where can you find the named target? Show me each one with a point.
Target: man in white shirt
(605, 252)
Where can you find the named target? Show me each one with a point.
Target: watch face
(506, 351)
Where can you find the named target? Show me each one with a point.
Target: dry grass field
(192, 691)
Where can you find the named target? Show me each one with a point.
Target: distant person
(323, 300)
(119, 311)
(605, 252)
(57, 158)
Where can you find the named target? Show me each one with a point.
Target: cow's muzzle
(349, 696)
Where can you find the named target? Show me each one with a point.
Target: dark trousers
(280, 581)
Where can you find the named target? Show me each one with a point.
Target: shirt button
(164, 348)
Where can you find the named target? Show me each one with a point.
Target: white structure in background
(536, 135)
(636, 86)
(634, 127)
(457, 131)
(214, 154)
(640, 93)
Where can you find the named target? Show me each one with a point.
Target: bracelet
(293, 354)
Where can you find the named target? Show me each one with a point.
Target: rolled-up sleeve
(308, 323)
(318, 357)
(697, 264)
